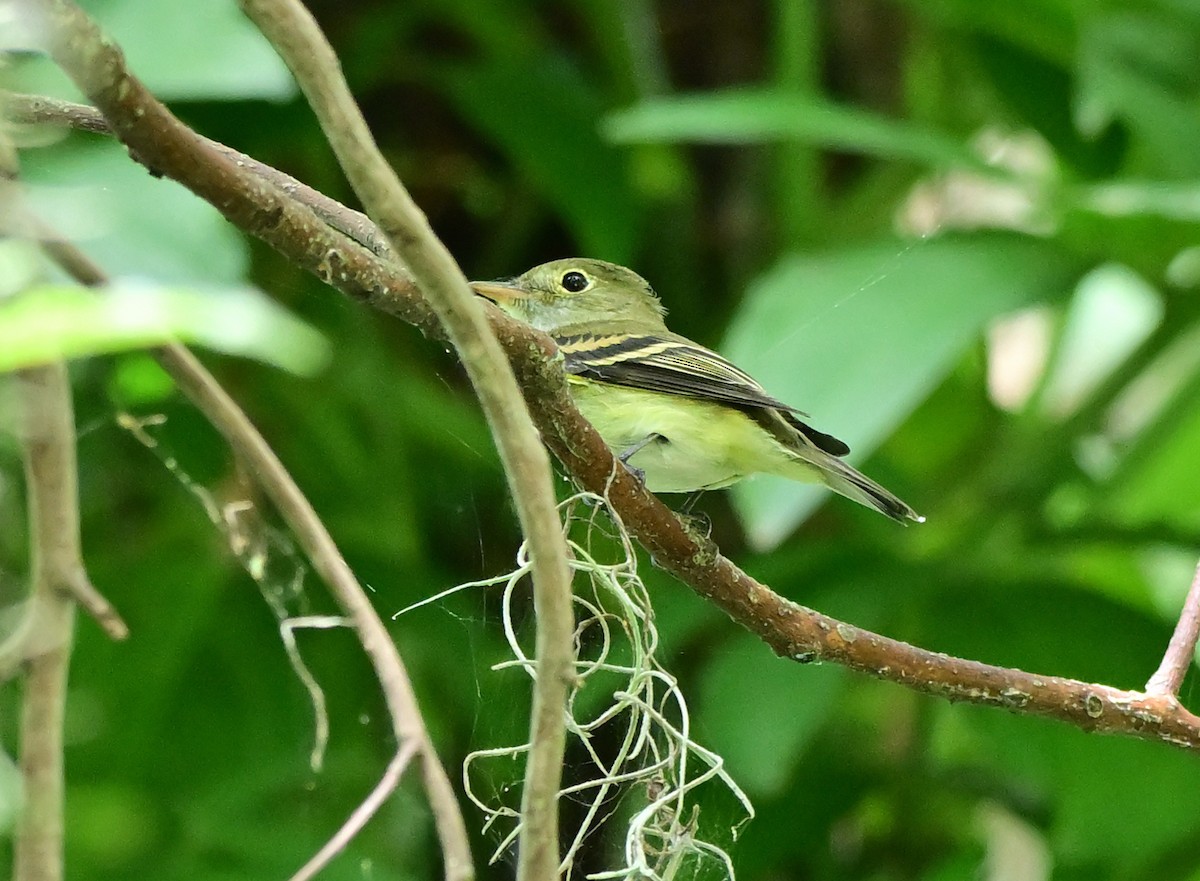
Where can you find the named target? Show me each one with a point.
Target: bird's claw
(637, 473)
(698, 525)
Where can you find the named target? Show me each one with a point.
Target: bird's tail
(852, 484)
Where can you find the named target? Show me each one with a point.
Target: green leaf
(128, 221)
(1158, 483)
(747, 116)
(138, 380)
(857, 338)
(741, 693)
(1144, 69)
(1047, 29)
(66, 321)
(219, 54)
(181, 50)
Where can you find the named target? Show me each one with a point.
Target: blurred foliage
(47, 321)
(964, 236)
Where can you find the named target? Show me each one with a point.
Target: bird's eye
(574, 282)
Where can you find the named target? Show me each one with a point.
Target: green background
(883, 210)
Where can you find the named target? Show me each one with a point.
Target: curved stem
(296, 36)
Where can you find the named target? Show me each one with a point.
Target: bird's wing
(676, 366)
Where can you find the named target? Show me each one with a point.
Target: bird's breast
(699, 444)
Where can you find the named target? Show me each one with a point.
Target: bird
(680, 416)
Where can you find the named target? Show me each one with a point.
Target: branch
(295, 219)
(407, 723)
(252, 202)
(202, 388)
(295, 35)
(243, 195)
(43, 637)
(791, 630)
(48, 437)
(36, 109)
(372, 803)
(1181, 651)
(73, 580)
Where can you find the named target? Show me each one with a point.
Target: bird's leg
(629, 452)
(699, 525)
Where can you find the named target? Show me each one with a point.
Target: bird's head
(573, 291)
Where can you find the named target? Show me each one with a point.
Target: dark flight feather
(676, 366)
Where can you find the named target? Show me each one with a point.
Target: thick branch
(294, 33)
(800, 633)
(792, 630)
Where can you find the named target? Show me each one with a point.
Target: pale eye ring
(574, 281)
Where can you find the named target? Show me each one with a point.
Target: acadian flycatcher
(679, 415)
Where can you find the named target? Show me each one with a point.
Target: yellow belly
(702, 445)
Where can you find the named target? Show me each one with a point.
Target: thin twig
(75, 582)
(298, 513)
(21, 644)
(43, 638)
(791, 630)
(298, 39)
(1181, 650)
(97, 605)
(361, 814)
(48, 437)
(251, 448)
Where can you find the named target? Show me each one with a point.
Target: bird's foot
(698, 525)
(638, 474)
(629, 452)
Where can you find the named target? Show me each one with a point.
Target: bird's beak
(499, 292)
